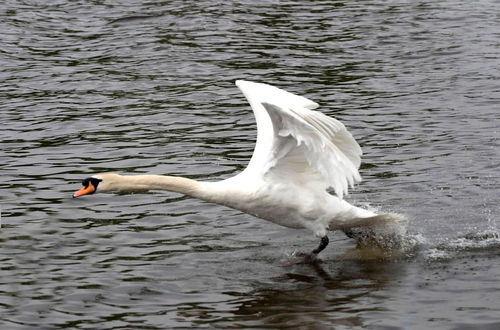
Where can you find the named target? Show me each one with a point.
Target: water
(147, 87)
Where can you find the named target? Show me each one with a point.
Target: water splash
(392, 237)
(472, 242)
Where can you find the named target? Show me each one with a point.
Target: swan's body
(299, 154)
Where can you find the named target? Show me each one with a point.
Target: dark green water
(147, 87)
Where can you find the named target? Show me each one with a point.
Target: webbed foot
(308, 258)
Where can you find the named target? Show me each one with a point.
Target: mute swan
(299, 155)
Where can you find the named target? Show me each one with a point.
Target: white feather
(292, 138)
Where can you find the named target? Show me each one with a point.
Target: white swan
(299, 155)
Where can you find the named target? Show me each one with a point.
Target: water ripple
(148, 88)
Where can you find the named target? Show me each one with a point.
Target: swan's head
(99, 183)
(90, 185)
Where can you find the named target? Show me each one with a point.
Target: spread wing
(298, 143)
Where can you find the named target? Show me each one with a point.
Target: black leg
(310, 258)
(322, 245)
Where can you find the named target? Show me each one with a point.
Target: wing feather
(294, 139)
(256, 93)
(328, 148)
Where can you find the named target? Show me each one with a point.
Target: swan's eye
(95, 181)
(86, 182)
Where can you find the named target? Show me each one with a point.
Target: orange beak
(90, 189)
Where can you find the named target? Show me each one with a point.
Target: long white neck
(130, 183)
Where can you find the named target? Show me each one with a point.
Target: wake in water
(395, 242)
(392, 240)
(487, 241)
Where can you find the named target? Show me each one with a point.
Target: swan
(301, 168)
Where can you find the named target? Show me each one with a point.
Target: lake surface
(148, 87)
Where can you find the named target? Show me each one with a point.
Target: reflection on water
(320, 297)
(148, 88)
